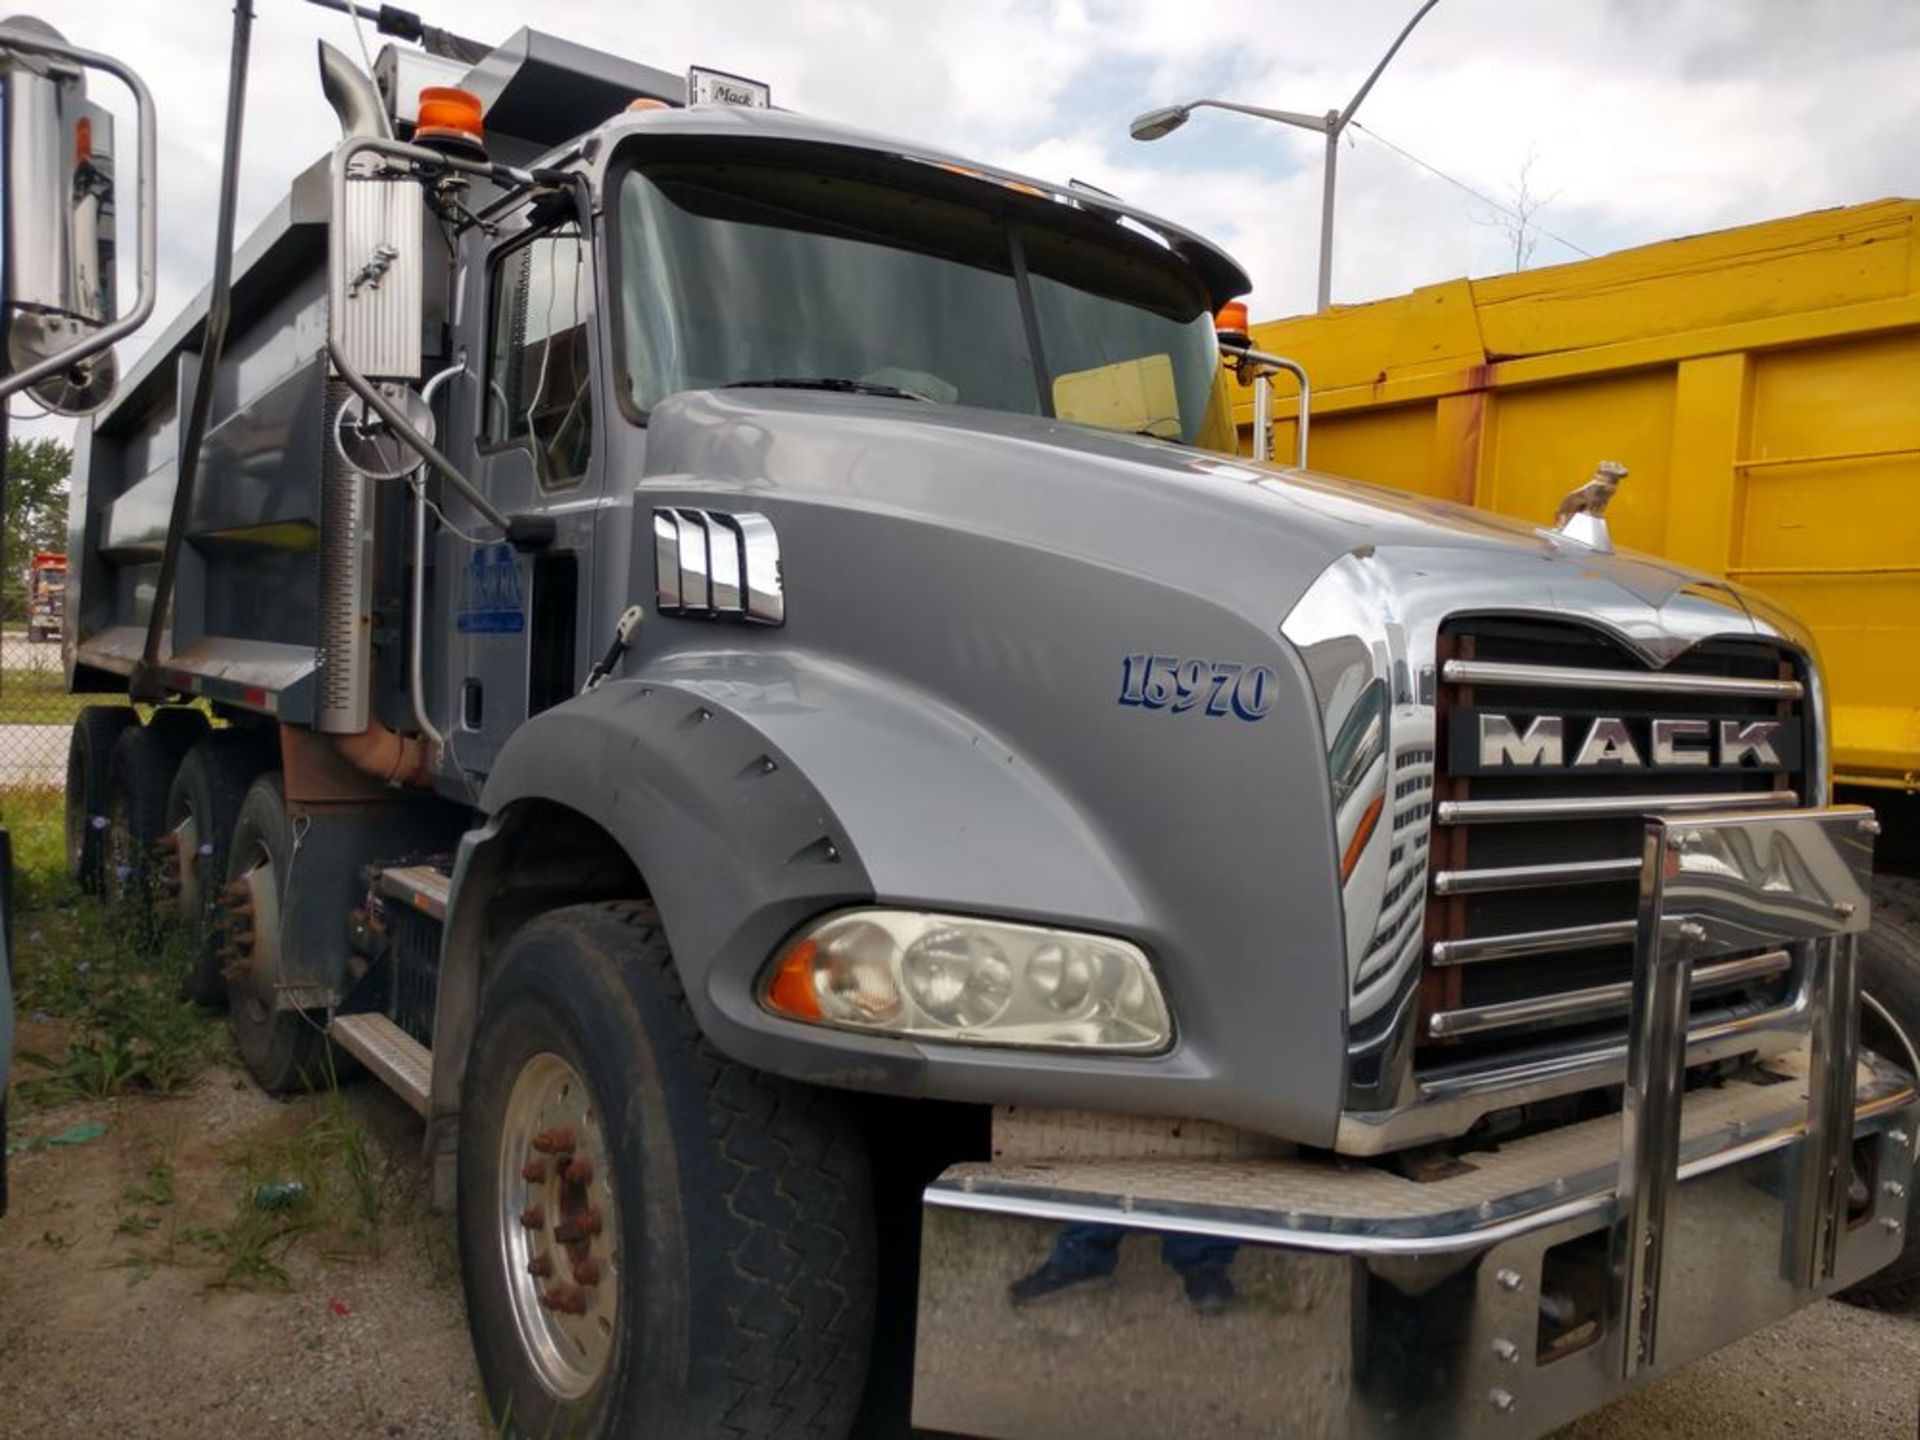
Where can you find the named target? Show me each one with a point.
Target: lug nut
(583, 1226)
(586, 1272)
(579, 1171)
(1508, 1279)
(567, 1299)
(540, 1267)
(533, 1217)
(557, 1141)
(1501, 1400)
(534, 1171)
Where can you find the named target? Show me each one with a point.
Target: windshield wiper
(827, 382)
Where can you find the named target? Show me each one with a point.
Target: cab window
(539, 390)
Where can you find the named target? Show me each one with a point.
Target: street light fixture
(1153, 124)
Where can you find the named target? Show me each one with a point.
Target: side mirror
(57, 175)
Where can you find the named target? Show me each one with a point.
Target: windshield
(734, 274)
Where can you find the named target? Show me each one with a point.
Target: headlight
(980, 982)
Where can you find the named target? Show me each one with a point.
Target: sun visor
(544, 91)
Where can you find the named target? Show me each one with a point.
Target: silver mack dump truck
(908, 884)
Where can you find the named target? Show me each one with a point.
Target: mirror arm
(523, 532)
(144, 258)
(1258, 366)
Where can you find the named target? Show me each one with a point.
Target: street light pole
(1155, 123)
(1335, 124)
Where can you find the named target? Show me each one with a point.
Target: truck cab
(760, 700)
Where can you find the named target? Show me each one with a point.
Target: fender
(754, 792)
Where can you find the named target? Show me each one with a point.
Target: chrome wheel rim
(559, 1230)
(250, 939)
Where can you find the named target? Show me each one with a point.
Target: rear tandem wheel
(283, 1048)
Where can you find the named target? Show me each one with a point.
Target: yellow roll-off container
(1761, 384)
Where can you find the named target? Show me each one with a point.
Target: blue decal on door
(490, 599)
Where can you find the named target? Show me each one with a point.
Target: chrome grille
(1531, 896)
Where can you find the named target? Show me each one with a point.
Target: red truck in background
(46, 595)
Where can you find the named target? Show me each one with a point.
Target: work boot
(1209, 1289)
(1051, 1279)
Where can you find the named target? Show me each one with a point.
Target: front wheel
(654, 1241)
(1890, 1026)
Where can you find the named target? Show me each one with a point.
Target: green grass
(111, 987)
(35, 817)
(39, 697)
(109, 979)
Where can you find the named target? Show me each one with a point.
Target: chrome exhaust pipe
(352, 96)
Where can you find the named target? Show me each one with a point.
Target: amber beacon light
(450, 119)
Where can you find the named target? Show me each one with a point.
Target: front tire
(729, 1289)
(1890, 1026)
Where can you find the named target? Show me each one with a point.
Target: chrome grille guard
(1711, 886)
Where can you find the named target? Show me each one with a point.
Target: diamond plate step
(402, 1063)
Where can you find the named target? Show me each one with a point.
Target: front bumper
(1524, 1286)
(1367, 1305)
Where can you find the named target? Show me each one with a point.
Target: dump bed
(1762, 384)
(243, 626)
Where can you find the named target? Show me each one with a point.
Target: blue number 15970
(1213, 687)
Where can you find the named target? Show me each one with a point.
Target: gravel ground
(94, 1344)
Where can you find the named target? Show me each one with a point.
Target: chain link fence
(36, 713)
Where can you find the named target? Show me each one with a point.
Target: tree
(1516, 220)
(35, 516)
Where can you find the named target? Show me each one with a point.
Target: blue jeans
(1086, 1251)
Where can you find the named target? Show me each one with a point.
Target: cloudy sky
(1642, 119)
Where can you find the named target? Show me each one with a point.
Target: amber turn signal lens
(790, 992)
(1232, 318)
(1362, 833)
(449, 114)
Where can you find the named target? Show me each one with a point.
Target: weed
(332, 1186)
(107, 974)
(138, 1264)
(156, 1188)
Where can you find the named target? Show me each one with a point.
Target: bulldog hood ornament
(1581, 518)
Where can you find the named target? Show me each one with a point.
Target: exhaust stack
(352, 95)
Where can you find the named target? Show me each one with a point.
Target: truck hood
(1253, 535)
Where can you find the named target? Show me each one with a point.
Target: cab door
(516, 622)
